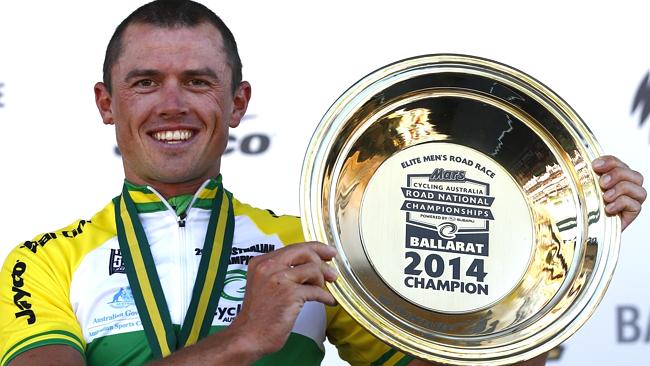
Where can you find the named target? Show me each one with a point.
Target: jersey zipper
(182, 240)
(182, 250)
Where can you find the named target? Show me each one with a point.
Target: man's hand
(622, 186)
(277, 286)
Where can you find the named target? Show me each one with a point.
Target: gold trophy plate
(459, 194)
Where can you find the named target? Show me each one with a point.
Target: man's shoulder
(288, 228)
(70, 243)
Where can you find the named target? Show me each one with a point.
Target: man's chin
(183, 177)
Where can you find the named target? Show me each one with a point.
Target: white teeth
(173, 137)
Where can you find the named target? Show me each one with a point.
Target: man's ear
(240, 103)
(103, 101)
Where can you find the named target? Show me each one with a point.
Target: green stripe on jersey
(180, 203)
(130, 349)
(19, 347)
(404, 361)
(120, 349)
(150, 207)
(385, 359)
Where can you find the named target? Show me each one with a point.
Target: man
(176, 243)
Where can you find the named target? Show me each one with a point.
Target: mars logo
(642, 100)
(447, 212)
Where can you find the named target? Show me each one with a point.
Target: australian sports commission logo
(122, 298)
(446, 212)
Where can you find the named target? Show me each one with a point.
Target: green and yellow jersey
(70, 286)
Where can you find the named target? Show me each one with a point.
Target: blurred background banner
(59, 163)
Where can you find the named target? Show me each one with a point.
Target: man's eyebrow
(206, 71)
(152, 73)
(136, 73)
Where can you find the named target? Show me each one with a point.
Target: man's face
(172, 103)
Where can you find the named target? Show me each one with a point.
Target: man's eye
(197, 82)
(145, 83)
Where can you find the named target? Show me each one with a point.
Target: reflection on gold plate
(459, 194)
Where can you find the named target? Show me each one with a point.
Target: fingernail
(610, 207)
(609, 194)
(598, 163)
(333, 303)
(605, 179)
(331, 272)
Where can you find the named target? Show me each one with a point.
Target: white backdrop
(58, 163)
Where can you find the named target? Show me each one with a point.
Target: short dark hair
(173, 14)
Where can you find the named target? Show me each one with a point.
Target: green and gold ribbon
(145, 283)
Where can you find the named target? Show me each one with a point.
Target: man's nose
(172, 101)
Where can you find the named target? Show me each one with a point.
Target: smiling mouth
(172, 137)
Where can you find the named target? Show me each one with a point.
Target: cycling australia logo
(235, 285)
(233, 291)
(641, 102)
(432, 203)
(122, 298)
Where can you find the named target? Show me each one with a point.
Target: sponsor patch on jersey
(116, 263)
(34, 245)
(21, 296)
(233, 292)
(122, 298)
(244, 255)
(114, 323)
(235, 285)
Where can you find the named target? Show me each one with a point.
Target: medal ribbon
(145, 283)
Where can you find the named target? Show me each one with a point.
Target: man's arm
(278, 285)
(54, 354)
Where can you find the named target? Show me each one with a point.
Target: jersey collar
(147, 199)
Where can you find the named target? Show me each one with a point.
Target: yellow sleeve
(356, 345)
(35, 309)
